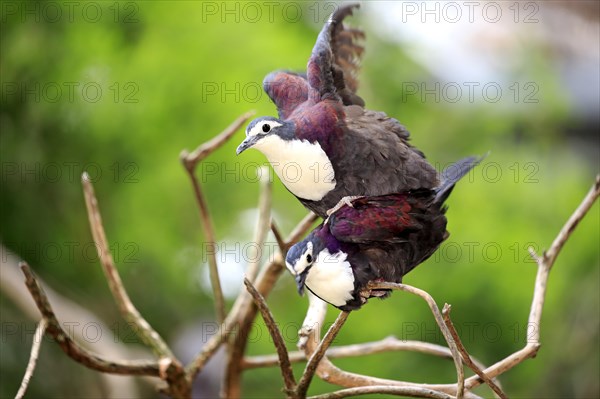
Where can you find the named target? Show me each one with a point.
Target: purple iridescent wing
(385, 219)
(287, 90)
(334, 63)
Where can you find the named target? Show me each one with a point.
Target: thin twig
(439, 320)
(309, 334)
(564, 234)
(211, 249)
(313, 362)
(244, 310)
(71, 348)
(388, 344)
(465, 355)
(502, 366)
(35, 351)
(328, 372)
(190, 161)
(544, 263)
(278, 237)
(301, 228)
(413, 392)
(204, 150)
(262, 224)
(282, 353)
(211, 347)
(264, 283)
(13, 289)
(128, 310)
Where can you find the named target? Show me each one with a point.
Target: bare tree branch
(544, 264)
(388, 344)
(546, 261)
(128, 310)
(13, 289)
(71, 348)
(282, 353)
(211, 347)
(318, 354)
(328, 372)
(278, 237)
(242, 313)
(550, 255)
(244, 310)
(301, 229)
(190, 160)
(262, 224)
(413, 392)
(465, 355)
(35, 351)
(211, 248)
(440, 321)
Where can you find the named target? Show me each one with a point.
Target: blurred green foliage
(122, 94)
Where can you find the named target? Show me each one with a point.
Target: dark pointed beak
(300, 279)
(247, 143)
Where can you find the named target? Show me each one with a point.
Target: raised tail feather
(454, 173)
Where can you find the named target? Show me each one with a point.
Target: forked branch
(72, 348)
(319, 353)
(440, 322)
(388, 344)
(465, 354)
(544, 263)
(190, 161)
(284, 361)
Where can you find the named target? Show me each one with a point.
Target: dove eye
(266, 128)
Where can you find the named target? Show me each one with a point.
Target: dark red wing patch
(387, 218)
(287, 90)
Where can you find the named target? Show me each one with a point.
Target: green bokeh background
(152, 78)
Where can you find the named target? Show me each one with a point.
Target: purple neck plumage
(319, 123)
(324, 239)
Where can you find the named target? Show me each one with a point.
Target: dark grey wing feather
(453, 174)
(335, 60)
(394, 165)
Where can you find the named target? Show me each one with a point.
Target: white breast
(331, 278)
(303, 167)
